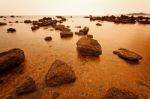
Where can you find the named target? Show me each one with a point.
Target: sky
(72, 7)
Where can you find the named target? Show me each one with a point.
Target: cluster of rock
(124, 19)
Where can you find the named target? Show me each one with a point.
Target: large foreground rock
(127, 54)
(11, 59)
(59, 73)
(88, 47)
(115, 93)
(26, 86)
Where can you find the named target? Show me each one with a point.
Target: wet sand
(94, 75)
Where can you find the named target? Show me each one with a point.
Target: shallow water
(94, 75)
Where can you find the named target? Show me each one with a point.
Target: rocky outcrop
(116, 93)
(64, 34)
(11, 30)
(88, 47)
(26, 86)
(127, 54)
(11, 59)
(59, 73)
(89, 35)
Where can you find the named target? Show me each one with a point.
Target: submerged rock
(115, 93)
(11, 30)
(64, 34)
(59, 73)
(127, 54)
(11, 59)
(61, 28)
(26, 86)
(78, 27)
(48, 38)
(88, 47)
(79, 33)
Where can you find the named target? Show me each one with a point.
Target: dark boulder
(27, 21)
(26, 86)
(115, 93)
(59, 73)
(35, 27)
(11, 59)
(48, 38)
(88, 47)
(64, 34)
(85, 30)
(127, 54)
(2, 23)
(11, 30)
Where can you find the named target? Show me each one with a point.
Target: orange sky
(72, 7)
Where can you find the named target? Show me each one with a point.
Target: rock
(89, 35)
(1, 81)
(11, 59)
(59, 73)
(127, 54)
(64, 34)
(12, 16)
(78, 27)
(61, 28)
(98, 24)
(55, 95)
(16, 21)
(35, 27)
(79, 33)
(88, 47)
(48, 38)
(115, 93)
(85, 30)
(27, 21)
(26, 86)
(11, 30)
(2, 23)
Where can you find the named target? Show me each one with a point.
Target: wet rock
(59, 73)
(88, 47)
(85, 30)
(11, 59)
(55, 95)
(26, 86)
(64, 34)
(2, 23)
(12, 16)
(27, 21)
(98, 24)
(16, 21)
(89, 35)
(11, 30)
(35, 27)
(115, 93)
(48, 38)
(127, 54)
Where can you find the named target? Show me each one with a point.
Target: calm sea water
(94, 75)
